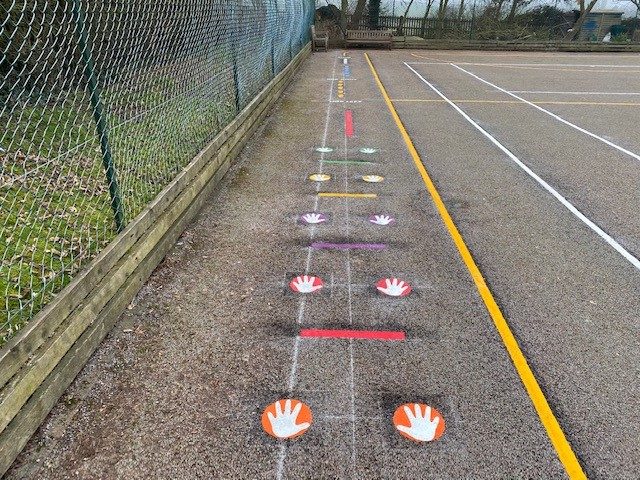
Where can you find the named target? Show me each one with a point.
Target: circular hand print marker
(393, 287)
(319, 177)
(368, 151)
(372, 178)
(382, 220)
(418, 422)
(324, 149)
(306, 284)
(313, 218)
(286, 418)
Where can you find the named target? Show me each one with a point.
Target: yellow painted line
(515, 102)
(547, 418)
(348, 195)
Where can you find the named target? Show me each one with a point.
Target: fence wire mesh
(104, 102)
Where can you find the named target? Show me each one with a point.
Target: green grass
(55, 213)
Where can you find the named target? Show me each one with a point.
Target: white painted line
(282, 454)
(444, 62)
(551, 114)
(350, 309)
(601, 233)
(542, 92)
(547, 65)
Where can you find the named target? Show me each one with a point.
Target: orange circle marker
(286, 418)
(418, 422)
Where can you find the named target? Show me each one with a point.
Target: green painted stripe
(349, 162)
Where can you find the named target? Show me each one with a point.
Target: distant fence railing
(102, 104)
(417, 27)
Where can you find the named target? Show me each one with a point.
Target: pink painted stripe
(348, 123)
(355, 334)
(348, 246)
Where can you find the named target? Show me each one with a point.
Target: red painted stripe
(348, 123)
(357, 334)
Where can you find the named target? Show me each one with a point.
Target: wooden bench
(319, 40)
(367, 37)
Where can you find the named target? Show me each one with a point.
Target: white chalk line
(543, 92)
(601, 233)
(350, 309)
(282, 455)
(551, 114)
(547, 65)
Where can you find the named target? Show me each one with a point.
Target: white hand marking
(319, 177)
(382, 219)
(368, 150)
(305, 284)
(313, 218)
(324, 149)
(422, 428)
(283, 423)
(394, 287)
(372, 178)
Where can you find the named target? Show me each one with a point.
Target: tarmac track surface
(178, 388)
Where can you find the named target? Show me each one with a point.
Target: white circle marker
(368, 151)
(324, 149)
(372, 178)
(319, 177)
(313, 218)
(306, 284)
(393, 287)
(382, 220)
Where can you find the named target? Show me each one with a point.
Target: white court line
(601, 233)
(350, 309)
(296, 343)
(547, 65)
(551, 114)
(444, 62)
(542, 92)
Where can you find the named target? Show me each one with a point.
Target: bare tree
(406, 12)
(357, 14)
(461, 9)
(423, 27)
(442, 9)
(585, 10)
(515, 5)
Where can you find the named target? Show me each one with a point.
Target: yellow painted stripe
(548, 419)
(348, 195)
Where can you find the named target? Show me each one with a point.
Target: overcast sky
(419, 5)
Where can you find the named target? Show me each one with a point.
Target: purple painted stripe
(348, 246)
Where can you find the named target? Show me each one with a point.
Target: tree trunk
(514, 9)
(461, 9)
(423, 27)
(499, 5)
(374, 14)
(573, 34)
(402, 19)
(343, 16)
(357, 14)
(442, 9)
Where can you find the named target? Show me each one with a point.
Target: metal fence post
(236, 80)
(98, 115)
(273, 34)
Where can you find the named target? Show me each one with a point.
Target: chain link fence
(103, 103)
